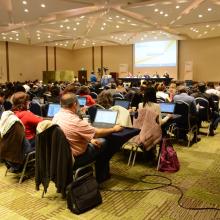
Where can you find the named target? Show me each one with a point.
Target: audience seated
(105, 99)
(120, 87)
(211, 89)
(29, 120)
(84, 91)
(161, 92)
(85, 142)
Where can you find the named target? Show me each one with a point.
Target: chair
(149, 136)
(185, 121)
(94, 95)
(11, 151)
(118, 96)
(204, 110)
(35, 108)
(216, 103)
(92, 111)
(54, 161)
(160, 100)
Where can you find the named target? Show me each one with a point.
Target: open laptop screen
(105, 116)
(123, 103)
(53, 109)
(82, 100)
(167, 107)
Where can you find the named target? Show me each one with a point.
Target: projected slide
(155, 54)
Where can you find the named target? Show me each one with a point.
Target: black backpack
(83, 194)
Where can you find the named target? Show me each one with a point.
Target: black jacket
(54, 159)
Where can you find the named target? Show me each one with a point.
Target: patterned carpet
(199, 178)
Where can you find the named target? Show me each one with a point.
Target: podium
(82, 76)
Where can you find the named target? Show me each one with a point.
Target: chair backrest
(160, 100)
(35, 108)
(204, 108)
(93, 95)
(54, 159)
(92, 111)
(11, 145)
(216, 102)
(118, 96)
(182, 108)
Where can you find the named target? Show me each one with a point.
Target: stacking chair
(204, 110)
(93, 95)
(35, 108)
(216, 103)
(118, 96)
(184, 122)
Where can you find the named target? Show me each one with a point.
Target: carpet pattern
(199, 178)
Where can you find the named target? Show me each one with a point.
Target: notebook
(123, 103)
(105, 118)
(167, 107)
(53, 109)
(82, 100)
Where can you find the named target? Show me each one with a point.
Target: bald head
(68, 100)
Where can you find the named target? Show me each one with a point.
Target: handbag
(83, 194)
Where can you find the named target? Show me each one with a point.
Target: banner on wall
(123, 68)
(188, 70)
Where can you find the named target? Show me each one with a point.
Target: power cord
(161, 185)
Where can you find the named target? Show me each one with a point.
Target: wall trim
(7, 61)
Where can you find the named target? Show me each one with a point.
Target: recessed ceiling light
(177, 7)
(38, 38)
(207, 25)
(104, 24)
(200, 16)
(128, 21)
(161, 12)
(3, 37)
(26, 10)
(166, 15)
(10, 38)
(61, 44)
(48, 36)
(112, 36)
(61, 26)
(213, 29)
(117, 26)
(142, 38)
(68, 27)
(66, 20)
(77, 23)
(102, 28)
(93, 43)
(17, 35)
(110, 18)
(123, 19)
(16, 39)
(133, 24)
(156, 9)
(38, 34)
(43, 6)
(117, 16)
(124, 35)
(74, 29)
(209, 9)
(205, 32)
(82, 16)
(119, 38)
(24, 2)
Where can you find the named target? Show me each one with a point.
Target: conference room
(113, 56)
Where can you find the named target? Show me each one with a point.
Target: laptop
(81, 100)
(123, 103)
(167, 108)
(53, 108)
(105, 118)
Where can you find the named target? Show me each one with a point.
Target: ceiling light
(93, 43)
(74, 29)
(61, 26)
(38, 38)
(43, 6)
(84, 45)
(24, 2)
(124, 35)
(209, 9)
(112, 36)
(48, 36)
(133, 24)
(161, 12)
(200, 16)
(61, 44)
(156, 9)
(10, 38)
(25, 10)
(155, 38)
(119, 38)
(17, 39)
(17, 35)
(142, 38)
(123, 19)
(117, 26)
(205, 32)
(66, 20)
(38, 35)
(117, 16)
(102, 28)
(166, 15)
(68, 27)
(177, 7)
(128, 20)
(109, 18)
(213, 29)
(207, 26)
(77, 23)
(82, 16)
(104, 24)
(3, 37)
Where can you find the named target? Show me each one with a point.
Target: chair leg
(134, 158)
(42, 196)
(6, 171)
(23, 171)
(130, 156)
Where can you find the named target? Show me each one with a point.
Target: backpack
(168, 160)
(83, 194)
